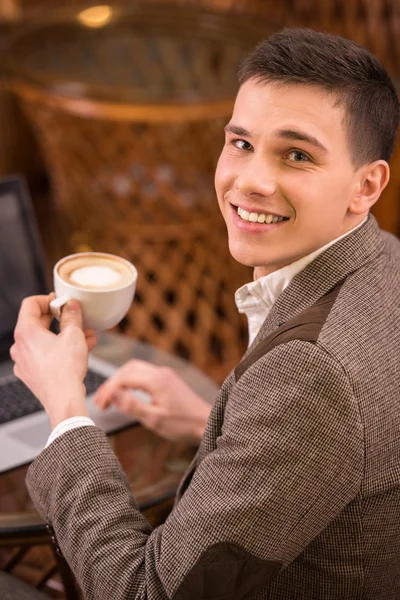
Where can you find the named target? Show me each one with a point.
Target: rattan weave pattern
(149, 196)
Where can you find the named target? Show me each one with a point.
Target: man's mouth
(256, 217)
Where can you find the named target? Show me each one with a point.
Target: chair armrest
(23, 529)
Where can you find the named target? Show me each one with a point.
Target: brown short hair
(341, 67)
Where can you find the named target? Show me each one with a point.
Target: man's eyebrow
(301, 136)
(237, 130)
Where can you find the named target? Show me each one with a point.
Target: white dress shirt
(254, 299)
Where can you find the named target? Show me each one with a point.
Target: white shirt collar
(255, 299)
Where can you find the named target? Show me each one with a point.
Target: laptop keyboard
(16, 400)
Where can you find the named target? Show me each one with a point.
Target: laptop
(24, 425)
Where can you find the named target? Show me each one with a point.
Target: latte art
(96, 272)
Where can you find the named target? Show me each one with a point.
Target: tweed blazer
(294, 493)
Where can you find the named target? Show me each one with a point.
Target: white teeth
(258, 217)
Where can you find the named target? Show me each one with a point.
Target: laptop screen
(22, 268)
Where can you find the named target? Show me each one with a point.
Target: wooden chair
(20, 533)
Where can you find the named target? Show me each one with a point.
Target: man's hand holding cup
(53, 366)
(93, 292)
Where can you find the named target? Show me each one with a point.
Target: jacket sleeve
(289, 459)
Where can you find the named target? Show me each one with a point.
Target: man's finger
(16, 371)
(91, 338)
(149, 415)
(127, 402)
(105, 392)
(91, 342)
(89, 332)
(71, 315)
(13, 352)
(134, 374)
(34, 310)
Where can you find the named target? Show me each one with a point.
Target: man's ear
(372, 180)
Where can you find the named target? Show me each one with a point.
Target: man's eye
(242, 145)
(298, 156)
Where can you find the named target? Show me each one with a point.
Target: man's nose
(256, 177)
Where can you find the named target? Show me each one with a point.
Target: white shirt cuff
(67, 425)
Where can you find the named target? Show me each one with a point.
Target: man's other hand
(53, 366)
(175, 412)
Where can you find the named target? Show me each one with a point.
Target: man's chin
(244, 256)
(262, 265)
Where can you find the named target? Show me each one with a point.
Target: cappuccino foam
(96, 272)
(96, 276)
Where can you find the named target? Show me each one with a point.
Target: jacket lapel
(323, 274)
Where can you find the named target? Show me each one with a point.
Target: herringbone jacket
(294, 493)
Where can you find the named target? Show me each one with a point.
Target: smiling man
(295, 490)
(291, 178)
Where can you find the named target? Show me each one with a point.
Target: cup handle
(57, 304)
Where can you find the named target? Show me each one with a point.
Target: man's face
(287, 159)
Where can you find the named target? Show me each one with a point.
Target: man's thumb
(71, 315)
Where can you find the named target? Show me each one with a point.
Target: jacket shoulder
(305, 326)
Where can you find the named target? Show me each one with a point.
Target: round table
(153, 466)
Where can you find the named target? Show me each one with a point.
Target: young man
(294, 492)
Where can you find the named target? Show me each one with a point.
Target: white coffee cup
(104, 285)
